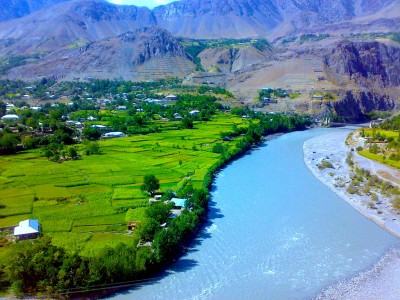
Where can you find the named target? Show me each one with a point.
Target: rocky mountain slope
(254, 18)
(145, 54)
(366, 64)
(69, 24)
(232, 59)
(12, 9)
(96, 39)
(81, 21)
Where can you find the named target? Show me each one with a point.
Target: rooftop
(27, 227)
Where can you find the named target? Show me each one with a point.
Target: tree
(187, 123)
(8, 143)
(92, 148)
(71, 152)
(150, 184)
(92, 134)
(2, 109)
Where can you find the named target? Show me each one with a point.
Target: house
(122, 107)
(317, 97)
(70, 123)
(114, 134)
(10, 118)
(179, 202)
(177, 116)
(99, 127)
(171, 97)
(194, 112)
(28, 229)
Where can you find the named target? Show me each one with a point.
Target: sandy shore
(382, 281)
(332, 147)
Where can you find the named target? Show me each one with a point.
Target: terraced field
(85, 204)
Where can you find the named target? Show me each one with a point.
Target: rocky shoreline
(383, 277)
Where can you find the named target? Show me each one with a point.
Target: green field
(384, 154)
(84, 204)
(387, 133)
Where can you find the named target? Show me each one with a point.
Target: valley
(159, 147)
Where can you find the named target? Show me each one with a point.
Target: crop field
(85, 204)
(387, 133)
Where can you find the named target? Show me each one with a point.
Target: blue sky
(148, 3)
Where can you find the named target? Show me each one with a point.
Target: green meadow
(85, 204)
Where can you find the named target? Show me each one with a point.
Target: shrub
(325, 164)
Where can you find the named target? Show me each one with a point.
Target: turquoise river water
(274, 232)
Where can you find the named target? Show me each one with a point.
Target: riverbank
(383, 277)
(332, 148)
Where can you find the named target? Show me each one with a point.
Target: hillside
(145, 54)
(252, 18)
(12, 9)
(82, 21)
(70, 24)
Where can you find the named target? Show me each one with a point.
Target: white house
(28, 229)
(100, 127)
(114, 134)
(171, 97)
(10, 118)
(194, 112)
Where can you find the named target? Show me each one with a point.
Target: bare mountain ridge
(82, 21)
(74, 22)
(365, 63)
(11, 9)
(255, 18)
(147, 53)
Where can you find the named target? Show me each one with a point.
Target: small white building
(28, 229)
(10, 118)
(171, 97)
(194, 112)
(100, 127)
(114, 134)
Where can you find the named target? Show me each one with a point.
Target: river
(274, 232)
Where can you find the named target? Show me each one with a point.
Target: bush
(325, 164)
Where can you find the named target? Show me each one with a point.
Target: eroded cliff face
(368, 73)
(354, 105)
(364, 63)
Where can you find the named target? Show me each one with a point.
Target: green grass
(387, 133)
(85, 204)
(379, 158)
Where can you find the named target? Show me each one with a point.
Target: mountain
(145, 54)
(82, 21)
(69, 24)
(232, 59)
(11, 9)
(255, 18)
(365, 63)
